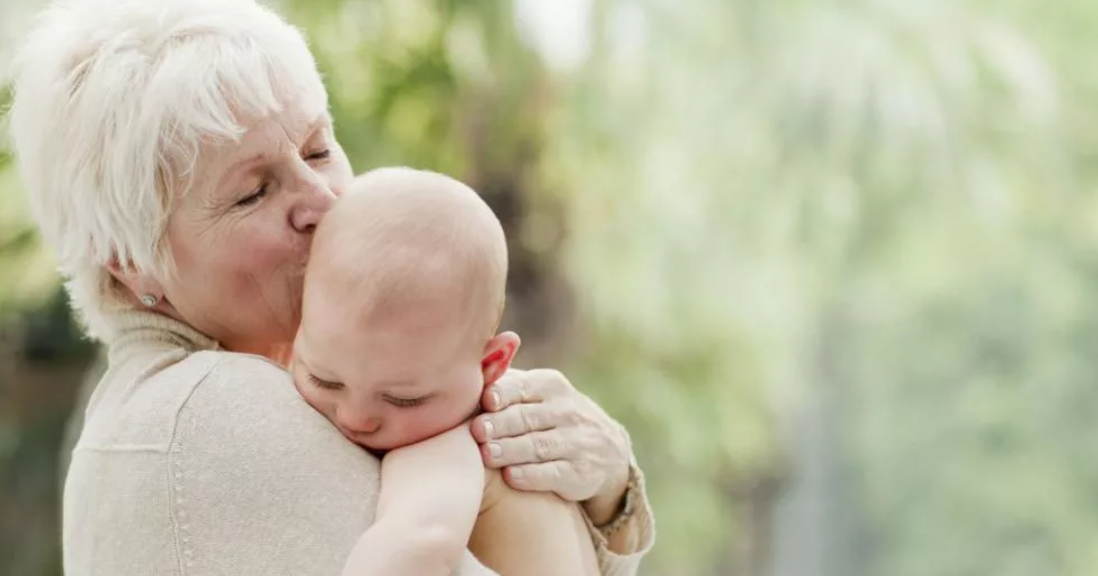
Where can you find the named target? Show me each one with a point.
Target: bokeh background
(834, 264)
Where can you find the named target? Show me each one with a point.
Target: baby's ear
(498, 354)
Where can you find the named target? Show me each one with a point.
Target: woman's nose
(314, 199)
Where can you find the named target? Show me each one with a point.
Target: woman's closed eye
(324, 384)
(254, 197)
(406, 402)
(319, 155)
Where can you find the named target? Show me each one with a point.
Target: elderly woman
(179, 155)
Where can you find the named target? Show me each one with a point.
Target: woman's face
(240, 237)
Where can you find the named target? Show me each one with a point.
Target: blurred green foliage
(833, 264)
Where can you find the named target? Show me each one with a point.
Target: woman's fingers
(524, 387)
(541, 420)
(542, 477)
(514, 387)
(536, 447)
(515, 421)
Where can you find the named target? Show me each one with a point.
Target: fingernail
(495, 450)
(489, 430)
(516, 473)
(497, 400)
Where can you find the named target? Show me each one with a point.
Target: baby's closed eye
(401, 402)
(324, 384)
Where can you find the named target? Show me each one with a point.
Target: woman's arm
(531, 534)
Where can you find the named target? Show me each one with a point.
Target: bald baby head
(403, 294)
(412, 245)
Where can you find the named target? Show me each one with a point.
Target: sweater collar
(132, 328)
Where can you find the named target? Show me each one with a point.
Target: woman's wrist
(629, 534)
(610, 502)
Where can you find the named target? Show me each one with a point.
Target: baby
(403, 296)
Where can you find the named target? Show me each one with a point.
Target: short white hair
(112, 100)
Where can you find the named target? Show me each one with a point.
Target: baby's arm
(531, 533)
(430, 495)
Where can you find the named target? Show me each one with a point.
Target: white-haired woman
(179, 155)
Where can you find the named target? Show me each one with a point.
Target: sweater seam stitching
(176, 494)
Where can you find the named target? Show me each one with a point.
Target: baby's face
(389, 384)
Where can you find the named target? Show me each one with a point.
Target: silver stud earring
(149, 300)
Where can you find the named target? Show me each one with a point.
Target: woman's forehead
(263, 140)
(293, 124)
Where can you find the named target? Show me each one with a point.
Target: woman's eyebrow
(323, 120)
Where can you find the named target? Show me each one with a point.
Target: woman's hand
(547, 436)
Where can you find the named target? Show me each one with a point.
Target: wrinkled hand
(548, 436)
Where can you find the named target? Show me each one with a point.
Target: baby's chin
(407, 433)
(379, 446)
(378, 449)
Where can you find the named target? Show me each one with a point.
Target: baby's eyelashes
(324, 384)
(406, 402)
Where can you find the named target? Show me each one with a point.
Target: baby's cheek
(463, 405)
(433, 420)
(469, 398)
(309, 394)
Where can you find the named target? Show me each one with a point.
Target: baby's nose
(356, 422)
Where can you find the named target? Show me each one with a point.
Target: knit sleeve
(639, 530)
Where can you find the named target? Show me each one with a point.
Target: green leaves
(843, 210)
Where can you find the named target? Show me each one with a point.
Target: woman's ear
(140, 285)
(498, 354)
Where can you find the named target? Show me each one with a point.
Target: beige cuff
(624, 541)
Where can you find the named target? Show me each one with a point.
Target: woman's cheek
(274, 244)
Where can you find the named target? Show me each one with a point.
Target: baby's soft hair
(112, 102)
(401, 235)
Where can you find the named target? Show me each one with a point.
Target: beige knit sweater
(194, 461)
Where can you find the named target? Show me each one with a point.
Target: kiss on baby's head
(403, 295)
